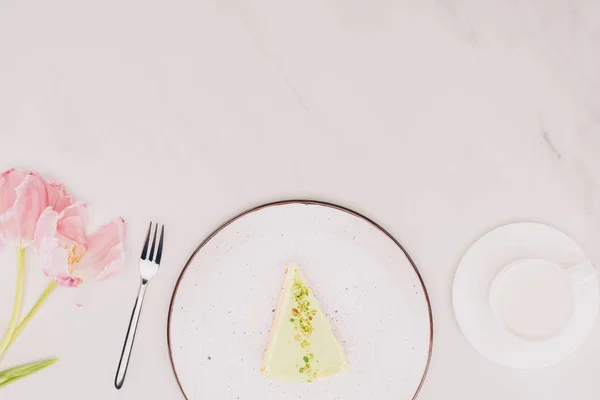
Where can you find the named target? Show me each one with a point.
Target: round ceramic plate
(525, 295)
(225, 299)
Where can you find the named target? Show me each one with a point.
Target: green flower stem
(14, 319)
(14, 374)
(49, 288)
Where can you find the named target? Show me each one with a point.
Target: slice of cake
(302, 346)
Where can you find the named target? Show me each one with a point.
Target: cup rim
(496, 285)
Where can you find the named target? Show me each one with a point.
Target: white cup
(534, 298)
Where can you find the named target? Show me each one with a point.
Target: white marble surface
(439, 119)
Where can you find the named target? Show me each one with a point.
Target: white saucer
(525, 295)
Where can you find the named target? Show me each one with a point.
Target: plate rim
(301, 202)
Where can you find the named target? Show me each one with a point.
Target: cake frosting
(302, 346)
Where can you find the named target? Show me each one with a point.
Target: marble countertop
(438, 119)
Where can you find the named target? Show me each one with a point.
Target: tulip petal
(23, 198)
(31, 201)
(55, 262)
(105, 253)
(58, 198)
(46, 226)
(9, 181)
(9, 226)
(71, 223)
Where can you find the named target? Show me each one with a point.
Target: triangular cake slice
(302, 346)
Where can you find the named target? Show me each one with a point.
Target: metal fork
(149, 263)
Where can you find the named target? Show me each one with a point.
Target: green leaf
(14, 374)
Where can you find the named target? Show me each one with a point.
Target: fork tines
(153, 256)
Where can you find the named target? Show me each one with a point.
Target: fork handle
(128, 345)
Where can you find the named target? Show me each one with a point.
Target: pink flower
(23, 198)
(70, 255)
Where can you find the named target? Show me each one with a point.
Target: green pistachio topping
(301, 317)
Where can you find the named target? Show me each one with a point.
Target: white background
(438, 119)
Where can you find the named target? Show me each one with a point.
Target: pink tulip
(34, 210)
(23, 198)
(70, 255)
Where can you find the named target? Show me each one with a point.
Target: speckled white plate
(366, 283)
